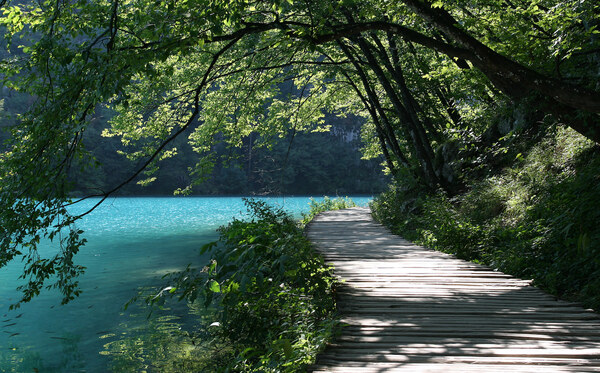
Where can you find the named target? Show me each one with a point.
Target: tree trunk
(517, 80)
(375, 109)
(439, 90)
(423, 150)
(410, 102)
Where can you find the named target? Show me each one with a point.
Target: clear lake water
(132, 243)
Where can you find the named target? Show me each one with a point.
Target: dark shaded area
(325, 163)
(302, 163)
(534, 215)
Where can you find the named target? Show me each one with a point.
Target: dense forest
(485, 113)
(297, 164)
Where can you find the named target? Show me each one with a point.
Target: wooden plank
(456, 312)
(443, 368)
(471, 349)
(517, 304)
(457, 336)
(583, 334)
(416, 322)
(409, 309)
(534, 361)
(379, 367)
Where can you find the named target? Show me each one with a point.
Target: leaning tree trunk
(423, 150)
(560, 98)
(381, 135)
(376, 111)
(441, 92)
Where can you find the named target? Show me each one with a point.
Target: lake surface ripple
(132, 243)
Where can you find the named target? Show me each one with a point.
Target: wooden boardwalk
(411, 309)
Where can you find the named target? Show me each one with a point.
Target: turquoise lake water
(132, 242)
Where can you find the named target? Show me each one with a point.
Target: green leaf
(214, 286)
(287, 347)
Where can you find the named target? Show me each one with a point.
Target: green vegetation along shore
(216, 96)
(532, 210)
(485, 114)
(270, 295)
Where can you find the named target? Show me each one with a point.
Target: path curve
(410, 309)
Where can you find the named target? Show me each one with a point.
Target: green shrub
(272, 293)
(535, 219)
(398, 207)
(327, 204)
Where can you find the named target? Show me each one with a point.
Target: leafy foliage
(535, 219)
(297, 164)
(165, 343)
(272, 292)
(327, 204)
(427, 77)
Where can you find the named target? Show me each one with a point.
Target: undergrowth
(327, 204)
(271, 293)
(537, 218)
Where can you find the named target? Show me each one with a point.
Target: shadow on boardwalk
(406, 308)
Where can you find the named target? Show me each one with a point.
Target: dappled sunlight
(408, 308)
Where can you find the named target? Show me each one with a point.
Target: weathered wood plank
(379, 367)
(532, 361)
(584, 334)
(409, 309)
(454, 337)
(442, 368)
(487, 312)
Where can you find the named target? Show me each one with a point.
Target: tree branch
(159, 149)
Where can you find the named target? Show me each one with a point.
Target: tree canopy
(427, 76)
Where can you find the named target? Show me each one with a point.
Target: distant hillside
(305, 163)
